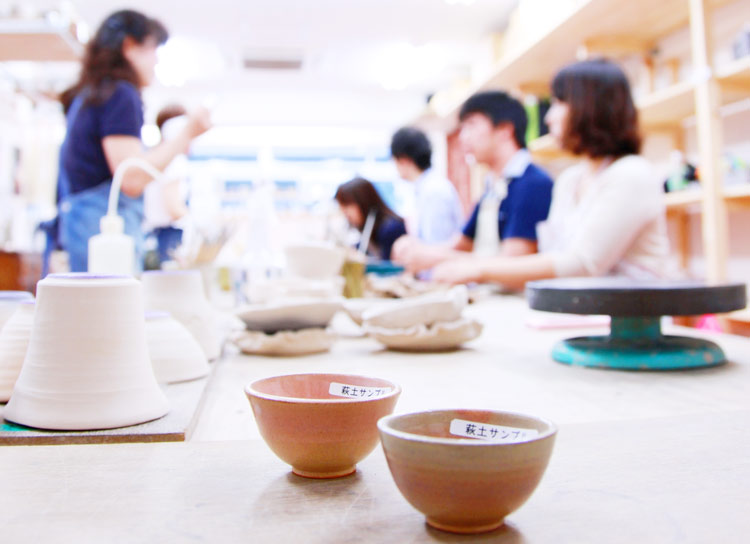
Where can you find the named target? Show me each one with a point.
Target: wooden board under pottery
(185, 400)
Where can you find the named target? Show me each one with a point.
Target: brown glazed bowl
(464, 484)
(321, 424)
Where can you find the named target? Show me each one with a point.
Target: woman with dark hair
(607, 213)
(104, 115)
(361, 204)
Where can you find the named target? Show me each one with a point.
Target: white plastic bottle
(111, 251)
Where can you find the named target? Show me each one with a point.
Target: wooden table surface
(640, 457)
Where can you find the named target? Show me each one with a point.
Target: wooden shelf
(545, 149)
(668, 106)
(738, 195)
(679, 201)
(735, 77)
(22, 40)
(600, 26)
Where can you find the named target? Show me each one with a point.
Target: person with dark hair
(607, 215)
(438, 209)
(365, 210)
(517, 193)
(104, 115)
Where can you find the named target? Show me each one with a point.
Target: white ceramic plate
(436, 337)
(286, 343)
(289, 315)
(421, 310)
(356, 307)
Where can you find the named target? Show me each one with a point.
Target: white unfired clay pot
(87, 365)
(180, 292)
(14, 340)
(175, 355)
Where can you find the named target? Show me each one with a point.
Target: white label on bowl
(493, 433)
(357, 391)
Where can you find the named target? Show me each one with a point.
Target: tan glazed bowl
(463, 484)
(321, 424)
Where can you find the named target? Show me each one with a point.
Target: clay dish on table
(321, 424)
(443, 336)
(419, 310)
(289, 314)
(14, 341)
(460, 483)
(284, 343)
(87, 365)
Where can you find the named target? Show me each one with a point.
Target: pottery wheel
(635, 341)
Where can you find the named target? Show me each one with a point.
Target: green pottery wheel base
(637, 344)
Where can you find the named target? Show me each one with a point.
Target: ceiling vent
(272, 60)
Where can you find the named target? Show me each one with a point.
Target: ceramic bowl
(9, 301)
(87, 365)
(181, 293)
(175, 355)
(14, 341)
(321, 424)
(289, 314)
(314, 260)
(419, 310)
(464, 484)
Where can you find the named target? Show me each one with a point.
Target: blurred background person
(438, 214)
(517, 194)
(366, 211)
(104, 117)
(607, 215)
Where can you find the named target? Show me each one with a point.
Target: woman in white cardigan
(607, 213)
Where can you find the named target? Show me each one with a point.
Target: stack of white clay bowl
(14, 341)
(431, 322)
(175, 354)
(290, 316)
(181, 294)
(87, 364)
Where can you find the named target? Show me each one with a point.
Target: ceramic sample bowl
(181, 293)
(175, 355)
(14, 341)
(87, 364)
(460, 483)
(314, 260)
(321, 424)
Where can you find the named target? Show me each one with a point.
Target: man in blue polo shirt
(517, 192)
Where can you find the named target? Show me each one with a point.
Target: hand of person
(462, 270)
(198, 122)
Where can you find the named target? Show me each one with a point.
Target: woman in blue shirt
(104, 117)
(358, 199)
